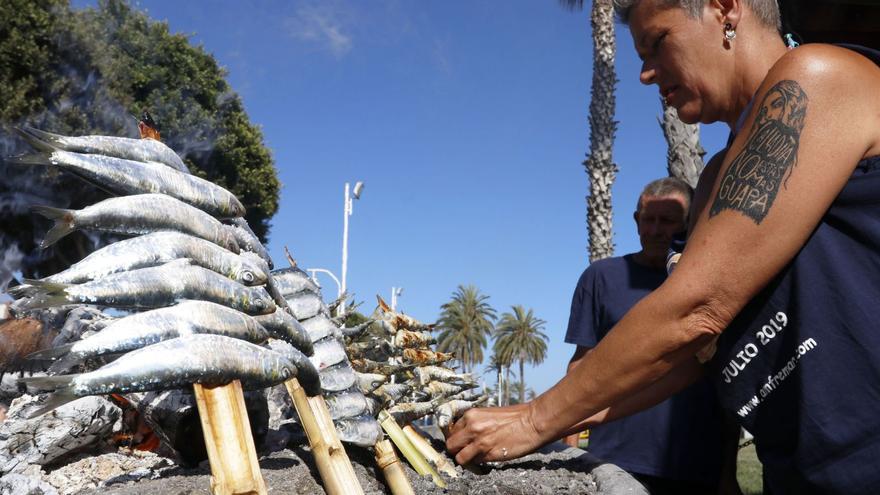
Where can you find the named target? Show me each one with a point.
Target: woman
(782, 267)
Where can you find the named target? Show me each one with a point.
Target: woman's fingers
(493, 434)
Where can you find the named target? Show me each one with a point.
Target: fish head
(250, 270)
(227, 240)
(258, 302)
(287, 371)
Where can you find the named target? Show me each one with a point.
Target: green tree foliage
(518, 337)
(464, 323)
(90, 71)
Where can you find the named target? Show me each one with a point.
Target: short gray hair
(767, 11)
(667, 186)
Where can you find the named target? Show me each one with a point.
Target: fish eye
(248, 276)
(259, 304)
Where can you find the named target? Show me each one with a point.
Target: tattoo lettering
(751, 182)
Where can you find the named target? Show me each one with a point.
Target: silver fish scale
(147, 213)
(176, 363)
(306, 305)
(363, 430)
(346, 404)
(246, 238)
(292, 281)
(320, 327)
(189, 317)
(328, 351)
(282, 326)
(338, 379)
(125, 177)
(144, 150)
(156, 249)
(164, 285)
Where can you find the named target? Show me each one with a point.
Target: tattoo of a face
(751, 182)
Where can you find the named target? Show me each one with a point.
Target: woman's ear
(727, 11)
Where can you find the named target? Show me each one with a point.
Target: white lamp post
(347, 210)
(395, 293)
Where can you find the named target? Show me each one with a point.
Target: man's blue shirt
(679, 438)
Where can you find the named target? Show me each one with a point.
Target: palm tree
(530, 394)
(518, 337)
(684, 158)
(464, 323)
(496, 367)
(599, 165)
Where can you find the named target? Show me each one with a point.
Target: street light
(395, 293)
(347, 210)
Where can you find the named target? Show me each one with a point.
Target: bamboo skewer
(424, 447)
(409, 451)
(333, 463)
(235, 469)
(389, 463)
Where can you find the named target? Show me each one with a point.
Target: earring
(729, 32)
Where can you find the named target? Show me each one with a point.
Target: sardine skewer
(137, 215)
(158, 248)
(154, 287)
(175, 363)
(142, 329)
(125, 177)
(143, 150)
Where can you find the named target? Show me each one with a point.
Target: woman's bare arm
(796, 151)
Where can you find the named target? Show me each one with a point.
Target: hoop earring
(729, 32)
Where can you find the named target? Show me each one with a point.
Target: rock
(280, 406)
(82, 425)
(106, 470)
(19, 484)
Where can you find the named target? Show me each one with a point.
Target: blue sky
(466, 120)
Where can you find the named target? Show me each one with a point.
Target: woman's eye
(656, 44)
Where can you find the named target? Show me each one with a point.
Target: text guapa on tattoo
(751, 182)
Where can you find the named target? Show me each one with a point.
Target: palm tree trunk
(599, 165)
(684, 158)
(507, 385)
(522, 382)
(500, 383)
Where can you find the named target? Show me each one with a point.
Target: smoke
(10, 262)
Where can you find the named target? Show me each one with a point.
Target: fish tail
(41, 140)
(56, 383)
(50, 354)
(20, 291)
(46, 295)
(42, 158)
(64, 223)
(54, 401)
(64, 363)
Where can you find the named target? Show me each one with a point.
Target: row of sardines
(384, 363)
(186, 298)
(190, 297)
(400, 373)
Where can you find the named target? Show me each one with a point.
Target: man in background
(674, 447)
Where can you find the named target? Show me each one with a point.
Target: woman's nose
(647, 74)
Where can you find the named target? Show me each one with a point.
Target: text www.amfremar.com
(774, 381)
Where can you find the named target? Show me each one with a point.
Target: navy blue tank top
(799, 367)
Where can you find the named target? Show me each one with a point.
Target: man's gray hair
(667, 186)
(767, 11)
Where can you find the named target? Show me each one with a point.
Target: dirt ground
(555, 470)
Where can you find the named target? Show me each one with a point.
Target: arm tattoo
(751, 182)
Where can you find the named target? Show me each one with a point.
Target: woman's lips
(668, 93)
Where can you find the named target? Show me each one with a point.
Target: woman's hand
(494, 434)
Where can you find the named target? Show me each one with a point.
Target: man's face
(658, 220)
